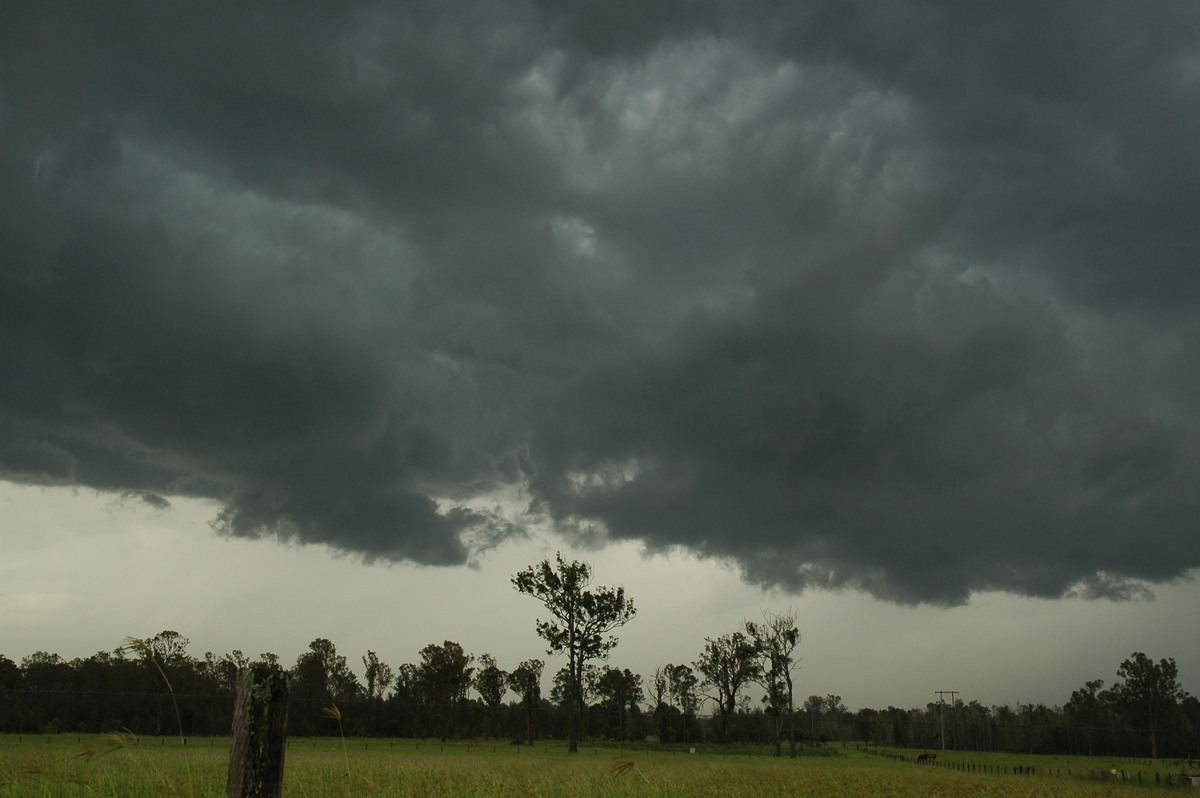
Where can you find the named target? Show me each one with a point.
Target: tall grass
(333, 712)
(143, 649)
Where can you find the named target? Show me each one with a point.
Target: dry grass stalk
(623, 766)
(139, 646)
(333, 712)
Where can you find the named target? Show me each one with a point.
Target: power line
(941, 694)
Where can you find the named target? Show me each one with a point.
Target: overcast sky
(884, 311)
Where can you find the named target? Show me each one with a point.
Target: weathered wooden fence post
(259, 733)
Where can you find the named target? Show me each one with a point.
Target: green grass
(68, 765)
(1058, 765)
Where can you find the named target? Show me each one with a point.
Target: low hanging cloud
(898, 298)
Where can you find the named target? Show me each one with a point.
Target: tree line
(450, 693)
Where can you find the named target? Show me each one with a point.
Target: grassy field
(103, 766)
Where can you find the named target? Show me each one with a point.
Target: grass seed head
(135, 645)
(120, 739)
(623, 766)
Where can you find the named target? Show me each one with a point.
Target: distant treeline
(451, 694)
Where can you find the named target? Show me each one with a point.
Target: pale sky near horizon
(884, 310)
(141, 570)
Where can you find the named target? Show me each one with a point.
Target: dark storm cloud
(894, 296)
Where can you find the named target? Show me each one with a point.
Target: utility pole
(941, 694)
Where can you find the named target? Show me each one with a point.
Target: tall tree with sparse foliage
(728, 663)
(775, 641)
(583, 620)
(379, 678)
(681, 685)
(675, 698)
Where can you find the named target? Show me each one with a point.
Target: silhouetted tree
(50, 676)
(379, 676)
(1149, 694)
(404, 702)
(775, 641)
(320, 677)
(728, 664)
(223, 670)
(443, 676)
(526, 681)
(491, 683)
(1088, 711)
(168, 647)
(11, 683)
(659, 687)
(583, 621)
(619, 691)
(682, 687)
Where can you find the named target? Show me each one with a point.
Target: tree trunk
(791, 720)
(574, 689)
(573, 717)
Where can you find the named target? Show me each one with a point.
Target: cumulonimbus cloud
(898, 300)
